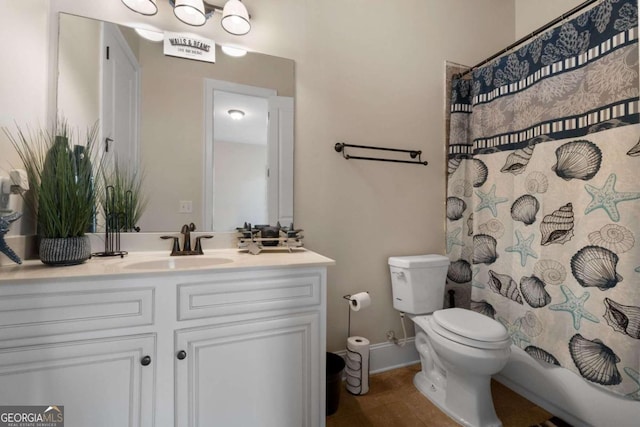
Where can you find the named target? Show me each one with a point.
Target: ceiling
(251, 129)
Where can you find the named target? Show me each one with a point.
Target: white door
(262, 373)
(239, 160)
(100, 383)
(280, 160)
(120, 98)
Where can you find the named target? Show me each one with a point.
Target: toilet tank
(418, 282)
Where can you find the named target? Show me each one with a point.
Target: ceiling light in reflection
(236, 114)
(154, 36)
(233, 51)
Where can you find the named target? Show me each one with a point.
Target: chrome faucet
(186, 242)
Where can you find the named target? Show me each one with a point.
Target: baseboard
(386, 356)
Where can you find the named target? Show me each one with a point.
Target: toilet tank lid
(419, 261)
(470, 324)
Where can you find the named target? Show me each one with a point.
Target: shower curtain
(543, 195)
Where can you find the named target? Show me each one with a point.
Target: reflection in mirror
(169, 116)
(240, 139)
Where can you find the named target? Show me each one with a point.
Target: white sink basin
(177, 263)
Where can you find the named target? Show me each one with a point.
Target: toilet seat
(466, 327)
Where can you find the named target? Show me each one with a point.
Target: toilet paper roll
(359, 301)
(357, 365)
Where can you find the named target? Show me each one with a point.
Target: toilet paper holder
(351, 301)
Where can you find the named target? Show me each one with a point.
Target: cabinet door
(263, 374)
(99, 382)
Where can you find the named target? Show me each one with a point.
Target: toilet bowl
(457, 365)
(459, 349)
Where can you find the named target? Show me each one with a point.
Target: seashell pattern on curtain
(543, 179)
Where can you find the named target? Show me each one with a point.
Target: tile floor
(393, 401)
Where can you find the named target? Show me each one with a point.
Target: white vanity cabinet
(100, 382)
(192, 348)
(253, 358)
(67, 344)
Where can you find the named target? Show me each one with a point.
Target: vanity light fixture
(233, 51)
(236, 114)
(191, 12)
(143, 7)
(235, 17)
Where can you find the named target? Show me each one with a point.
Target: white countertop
(152, 263)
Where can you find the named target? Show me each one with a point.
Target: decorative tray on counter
(268, 238)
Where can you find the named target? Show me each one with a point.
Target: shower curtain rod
(530, 36)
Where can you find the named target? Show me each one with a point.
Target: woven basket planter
(65, 250)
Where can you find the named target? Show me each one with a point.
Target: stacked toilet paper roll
(357, 365)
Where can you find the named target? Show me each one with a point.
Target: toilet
(459, 349)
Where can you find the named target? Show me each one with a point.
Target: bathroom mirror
(170, 117)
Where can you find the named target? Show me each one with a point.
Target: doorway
(249, 158)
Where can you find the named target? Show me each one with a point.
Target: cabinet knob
(181, 355)
(145, 361)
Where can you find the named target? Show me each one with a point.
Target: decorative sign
(189, 47)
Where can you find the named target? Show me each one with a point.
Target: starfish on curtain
(607, 198)
(575, 306)
(452, 239)
(474, 272)
(5, 223)
(490, 200)
(514, 330)
(523, 247)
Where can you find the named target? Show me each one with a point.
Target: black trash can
(335, 365)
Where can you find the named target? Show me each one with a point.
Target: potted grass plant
(62, 189)
(122, 200)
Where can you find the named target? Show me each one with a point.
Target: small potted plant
(62, 190)
(122, 201)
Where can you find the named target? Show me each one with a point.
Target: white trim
(386, 356)
(565, 394)
(280, 163)
(53, 23)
